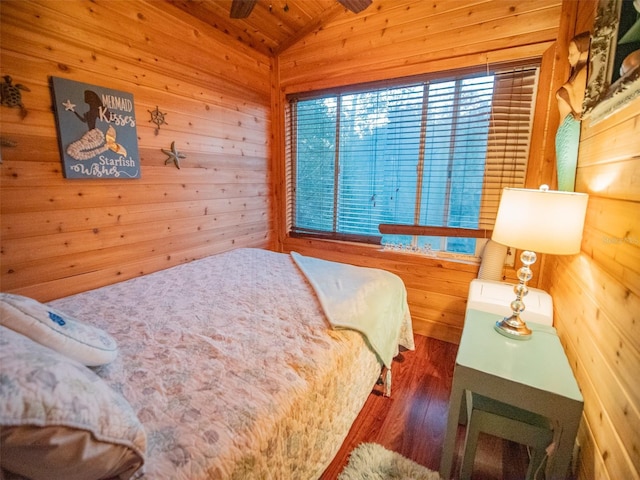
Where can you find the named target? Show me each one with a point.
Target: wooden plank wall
(597, 293)
(395, 38)
(597, 298)
(63, 236)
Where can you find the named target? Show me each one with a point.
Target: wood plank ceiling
(272, 25)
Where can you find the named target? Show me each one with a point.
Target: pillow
(50, 327)
(59, 420)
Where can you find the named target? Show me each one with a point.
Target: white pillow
(59, 420)
(84, 343)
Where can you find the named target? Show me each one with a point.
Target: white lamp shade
(542, 221)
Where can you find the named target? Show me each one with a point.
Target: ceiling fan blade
(241, 8)
(356, 6)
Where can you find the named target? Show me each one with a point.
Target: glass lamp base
(513, 327)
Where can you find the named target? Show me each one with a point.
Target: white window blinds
(432, 152)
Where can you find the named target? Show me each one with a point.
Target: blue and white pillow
(52, 328)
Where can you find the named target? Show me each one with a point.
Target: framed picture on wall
(96, 130)
(614, 71)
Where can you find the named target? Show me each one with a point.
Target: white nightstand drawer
(495, 297)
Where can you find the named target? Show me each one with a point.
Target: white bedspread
(232, 367)
(368, 300)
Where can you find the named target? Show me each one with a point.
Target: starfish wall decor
(173, 155)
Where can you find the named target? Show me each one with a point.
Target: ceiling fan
(242, 8)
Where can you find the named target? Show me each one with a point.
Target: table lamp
(542, 221)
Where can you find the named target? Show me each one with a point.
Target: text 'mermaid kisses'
(111, 103)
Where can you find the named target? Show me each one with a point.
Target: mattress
(232, 367)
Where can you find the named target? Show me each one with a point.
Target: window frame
(291, 141)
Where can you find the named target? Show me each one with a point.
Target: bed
(231, 366)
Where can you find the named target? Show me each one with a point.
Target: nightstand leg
(455, 401)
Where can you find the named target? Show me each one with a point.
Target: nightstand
(533, 375)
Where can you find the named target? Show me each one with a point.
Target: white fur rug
(370, 461)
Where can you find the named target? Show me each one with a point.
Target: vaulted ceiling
(271, 26)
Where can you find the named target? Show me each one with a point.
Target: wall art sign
(96, 130)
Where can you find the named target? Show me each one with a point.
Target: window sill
(338, 248)
(438, 255)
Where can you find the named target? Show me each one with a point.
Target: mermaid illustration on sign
(94, 142)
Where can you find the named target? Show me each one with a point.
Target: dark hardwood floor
(413, 421)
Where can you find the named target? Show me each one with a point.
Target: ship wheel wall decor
(157, 117)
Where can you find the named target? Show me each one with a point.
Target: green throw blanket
(369, 300)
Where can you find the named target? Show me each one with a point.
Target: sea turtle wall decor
(173, 155)
(11, 95)
(157, 117)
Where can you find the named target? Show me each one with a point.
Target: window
(432, 152)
